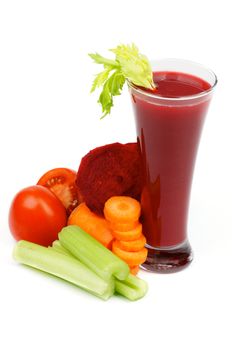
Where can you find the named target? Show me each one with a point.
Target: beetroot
(110, 170)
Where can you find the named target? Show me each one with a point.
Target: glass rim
(140, 91)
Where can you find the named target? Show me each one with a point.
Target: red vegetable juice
(169, 121)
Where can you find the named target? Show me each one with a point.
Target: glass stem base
(168, 260)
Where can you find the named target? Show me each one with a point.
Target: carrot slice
(128, 235)
(133, 246)
(118, 226)
(122, 209)
(93, 224)
(134, 269)
(131, 258)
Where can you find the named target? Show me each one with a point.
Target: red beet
(110, 170)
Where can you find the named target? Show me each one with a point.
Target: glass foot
(168, 260)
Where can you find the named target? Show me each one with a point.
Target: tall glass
(169, 130)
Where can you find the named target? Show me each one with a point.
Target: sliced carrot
(93, 224)
(133, 246)
(131, 258)
(134, 269)
(122, 209)
(118, 226)
(128, 235)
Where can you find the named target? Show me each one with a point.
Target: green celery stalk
(92, 253)
(63, 266)
(133, 288)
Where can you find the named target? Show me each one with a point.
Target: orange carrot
(93, 224)
(134, 269)
(122, 209)
(128, 235)
(131, 258)
(117, 226)
(133, 246)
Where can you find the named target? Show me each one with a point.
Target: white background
(49, 119)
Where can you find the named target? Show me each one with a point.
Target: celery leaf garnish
(130, 65)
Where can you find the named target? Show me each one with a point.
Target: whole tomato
(36, 215)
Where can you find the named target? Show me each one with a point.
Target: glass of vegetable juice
(169, 122)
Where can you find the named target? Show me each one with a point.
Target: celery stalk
(92, 253)
(63, 266)
(133, 288)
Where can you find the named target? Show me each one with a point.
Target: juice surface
(168, 136)
(175, 84)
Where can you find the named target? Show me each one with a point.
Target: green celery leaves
(129, 65)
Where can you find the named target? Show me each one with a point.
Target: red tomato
(61, 181)
(36, 215)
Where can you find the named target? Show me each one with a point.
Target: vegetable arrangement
(84, 226)
(101, 249)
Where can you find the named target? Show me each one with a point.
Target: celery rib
(92, 253)
(63, 266)
(133, 288)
